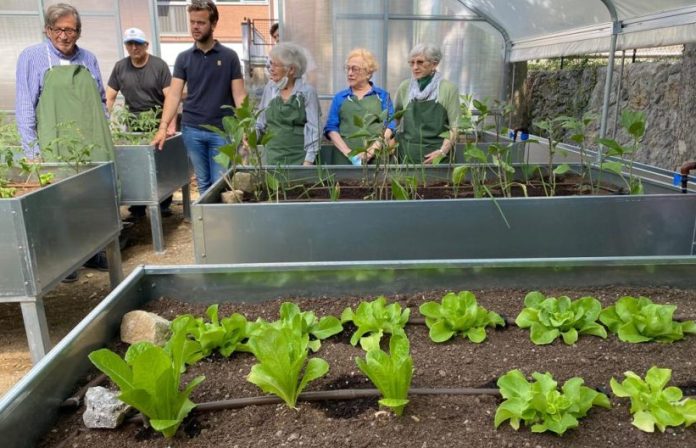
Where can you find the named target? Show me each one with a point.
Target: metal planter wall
(659, 223)
(49, 233)
(148, 176)
(38, 395)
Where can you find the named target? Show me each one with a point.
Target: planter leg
(156, 226)
(186, 199)
(36, 327)
(113, 256)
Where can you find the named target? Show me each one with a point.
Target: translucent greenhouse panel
(18, 5)
(359, 7)
(101, 36)
(370, 37)
(84, 6)
(472, 54)
(428, 7)
(636, 8)
(16, 33)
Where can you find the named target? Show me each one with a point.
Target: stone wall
(666, 92)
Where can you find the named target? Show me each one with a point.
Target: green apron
(422, 124)
(70, 94)
(351, 107)
(285, 121)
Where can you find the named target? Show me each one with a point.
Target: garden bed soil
(428, 421)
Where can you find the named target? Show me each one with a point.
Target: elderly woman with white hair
(289, 109)
(430, 106)
(361, 98)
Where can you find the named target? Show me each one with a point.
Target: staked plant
(69, 146)
(149, 379)
(390, 372)
(652, 403)
(634, 122)
(550, 317)
(459, 314)
(552, 128)
(283, 368)
(640, 320)
(541, 405)
(375, 318)
(579, 130)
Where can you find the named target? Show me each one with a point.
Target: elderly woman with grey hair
(289, 109)
(430, 106)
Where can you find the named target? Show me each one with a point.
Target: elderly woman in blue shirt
(361, 97)
(289, 109)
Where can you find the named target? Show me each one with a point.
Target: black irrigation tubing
(76, 400)
(327, 395)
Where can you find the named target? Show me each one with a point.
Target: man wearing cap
(143, 80)
(212, 75)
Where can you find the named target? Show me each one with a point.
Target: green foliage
(641, 320)
(634, 123)
(283, 368)
(541, 405)
(377, 318)
(128, 128)
(69, 146)
(550, 317)
(149, 379)
(652, 404)
(459, 314)
(224, 335)
(390, 373)
(306, 322)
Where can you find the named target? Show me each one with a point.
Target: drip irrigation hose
(328, 395)
(76, 400)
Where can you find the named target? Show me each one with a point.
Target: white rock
(103, 409)
(244, 182)
(138, 326)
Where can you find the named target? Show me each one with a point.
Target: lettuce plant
(283, 368)
(149, 378)
(307, 321)
(550, 317)
(377, 318)
(541, 405)
(459, 314)
(224, 335)
(641, 320)
(652, 404)
(390, 373)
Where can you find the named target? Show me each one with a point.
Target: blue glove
(356, 160)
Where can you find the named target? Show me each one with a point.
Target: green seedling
(459, 314)
(375, 318)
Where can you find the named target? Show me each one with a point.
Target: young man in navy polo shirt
(213, 76)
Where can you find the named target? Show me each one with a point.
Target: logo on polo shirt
(219, 62)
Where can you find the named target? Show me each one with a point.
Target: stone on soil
(103, 409)
(138, 326)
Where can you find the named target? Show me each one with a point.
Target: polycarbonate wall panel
(16, 33)
(428, 7)
(101, 36)
(370, 37)
(359, 7)
(635, 8)
(472, 53)
(87, 6)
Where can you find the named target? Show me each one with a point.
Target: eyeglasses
(353, 68)
(418, 62)
(69, 32)
(274, 64)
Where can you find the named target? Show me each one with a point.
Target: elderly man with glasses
(58, 83)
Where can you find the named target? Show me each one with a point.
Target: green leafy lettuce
(306, 321)
(224, 335)
(149, 378)
(641, 320)
(541, 405)
(550, 317)
(652, 404)
(376, 318)
(391, 373)
(459, 314)
(283, 368)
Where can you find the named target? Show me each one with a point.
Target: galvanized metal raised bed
(51, 232)
(148, 176)
(37, 397)
(661, 222)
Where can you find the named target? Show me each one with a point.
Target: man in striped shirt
(62, 29)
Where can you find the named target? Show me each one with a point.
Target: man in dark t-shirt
(212, 74)
(143, 80)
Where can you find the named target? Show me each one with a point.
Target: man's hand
(171, 129)
(159, 138)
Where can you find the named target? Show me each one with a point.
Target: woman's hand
(307, 163)
(430, 157)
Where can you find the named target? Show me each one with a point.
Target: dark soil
(428, 421)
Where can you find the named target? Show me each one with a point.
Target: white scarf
(430, 91)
